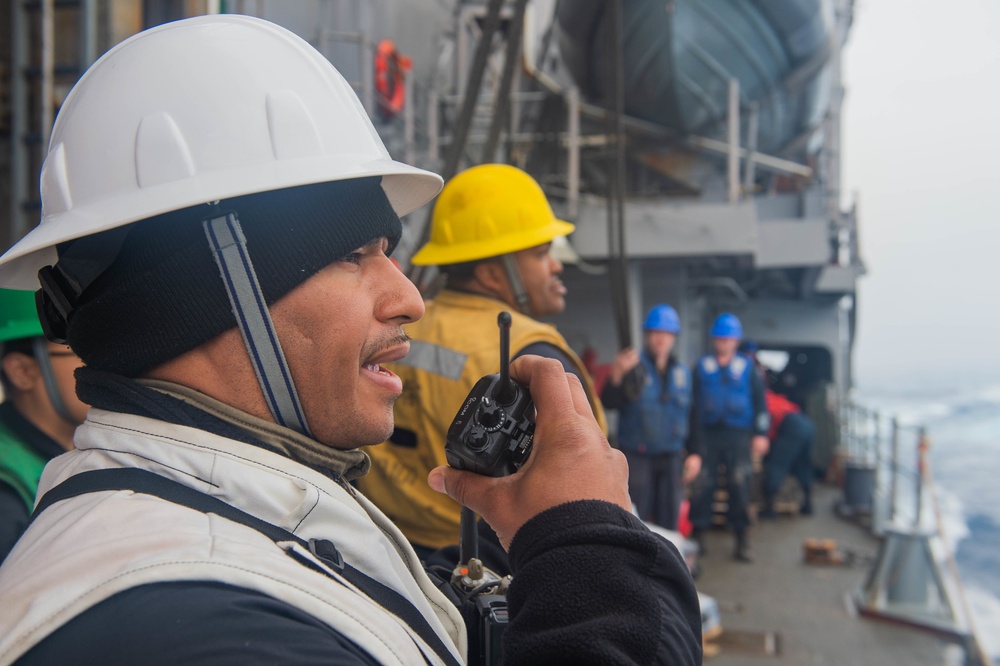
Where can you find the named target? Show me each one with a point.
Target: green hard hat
(18, 316)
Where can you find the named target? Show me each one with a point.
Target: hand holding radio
(494, 428)
(567, 459)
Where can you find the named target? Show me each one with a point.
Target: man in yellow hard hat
(40, 411)
(491, 235)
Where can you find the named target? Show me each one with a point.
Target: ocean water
(963, 427)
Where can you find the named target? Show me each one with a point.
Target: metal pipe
(879, 473)
(48, 71)
(921, 466)
(749, 173)
(895, 469)
(768, 162)
(616, 178)
(573, 154)
(433, 140)
(409, 147)
(621, 187)
(88, 49)
(19, 120)
(366, 53)
(733, 139)
(878, 443)
(506, 82)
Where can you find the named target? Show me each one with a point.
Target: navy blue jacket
(657, 421)
(727, 399)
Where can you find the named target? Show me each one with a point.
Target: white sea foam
(986, 618)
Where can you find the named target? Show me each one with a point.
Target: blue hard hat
(662, 318)
(727, 326)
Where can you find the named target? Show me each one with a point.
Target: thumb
(459, 485)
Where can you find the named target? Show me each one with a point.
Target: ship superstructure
(694, 143)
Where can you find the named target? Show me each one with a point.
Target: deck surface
(805, 604)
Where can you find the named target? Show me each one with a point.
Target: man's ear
(491, 275)
(22, 370)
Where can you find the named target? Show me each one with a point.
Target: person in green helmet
(40, 411)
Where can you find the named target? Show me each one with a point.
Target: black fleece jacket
(591, 585)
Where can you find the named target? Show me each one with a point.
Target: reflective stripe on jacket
(657, 422)
(454, 344)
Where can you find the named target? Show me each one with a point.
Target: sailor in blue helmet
(729, 421)
(653, 422)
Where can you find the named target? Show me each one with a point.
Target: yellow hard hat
(487, 211)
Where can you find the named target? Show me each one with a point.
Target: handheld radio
(493, 430)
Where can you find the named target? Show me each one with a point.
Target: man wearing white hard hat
(217, 218)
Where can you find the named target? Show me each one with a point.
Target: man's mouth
(391, 350)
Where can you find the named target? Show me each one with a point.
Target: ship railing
(884, 464)
(889, 487)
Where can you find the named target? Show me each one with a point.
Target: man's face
(540, 274)
(337, 329)
(64, 364)
(725, 346)
(660, 343)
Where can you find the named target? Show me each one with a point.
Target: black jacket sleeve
(592, 585)
(612, 395)
(547, 350)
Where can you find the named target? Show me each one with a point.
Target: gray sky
(921, 152)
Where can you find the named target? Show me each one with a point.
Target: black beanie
(163, 294)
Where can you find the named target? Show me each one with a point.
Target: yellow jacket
(455, 344)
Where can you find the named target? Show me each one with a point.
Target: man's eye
(353, 258)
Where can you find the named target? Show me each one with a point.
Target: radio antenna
(505, 391)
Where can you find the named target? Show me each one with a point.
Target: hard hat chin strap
(81, 262)
(229, 246)
(516, 284)
(40, 347)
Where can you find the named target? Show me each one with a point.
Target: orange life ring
(390, 69)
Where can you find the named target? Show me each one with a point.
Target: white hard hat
(196, 111)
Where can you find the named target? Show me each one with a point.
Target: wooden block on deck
(821, 551)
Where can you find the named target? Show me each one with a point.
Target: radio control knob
(477, 439)
(490, 414)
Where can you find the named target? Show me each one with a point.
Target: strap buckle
(326, 552)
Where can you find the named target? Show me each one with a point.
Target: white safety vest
(83, 550)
